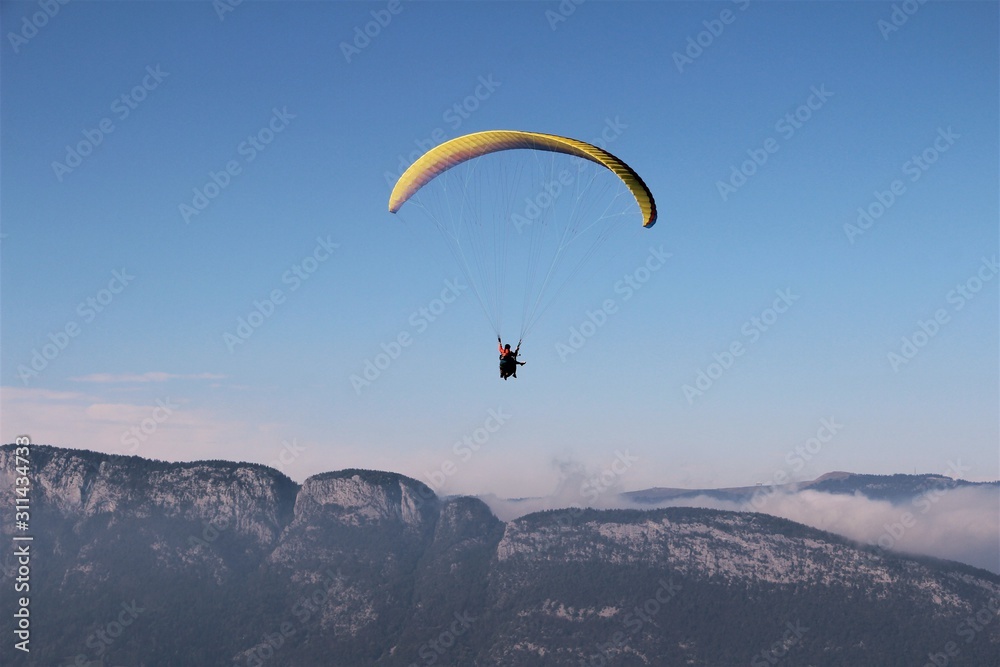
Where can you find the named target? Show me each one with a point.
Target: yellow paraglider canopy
(459, 150)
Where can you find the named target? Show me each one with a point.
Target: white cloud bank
(958, 524)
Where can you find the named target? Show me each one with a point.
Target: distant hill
(894, 488)
(147, 564)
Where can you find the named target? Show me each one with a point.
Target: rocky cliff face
(235, 564)
(639, 577)
(252, 500)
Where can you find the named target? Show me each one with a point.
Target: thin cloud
(577, 485)
(960, 524)
(165, 427)
(152, 376)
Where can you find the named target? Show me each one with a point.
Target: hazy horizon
(198, 261)
(961, 524)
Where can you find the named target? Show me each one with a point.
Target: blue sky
(145, 368)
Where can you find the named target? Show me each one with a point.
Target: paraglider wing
(458, 150)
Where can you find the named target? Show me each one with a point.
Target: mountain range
(147, 563)
(894, 488)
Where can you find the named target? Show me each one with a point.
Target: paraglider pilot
(508, 359)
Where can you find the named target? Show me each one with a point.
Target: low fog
(957, 524)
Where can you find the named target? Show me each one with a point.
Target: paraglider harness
(508, 360)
